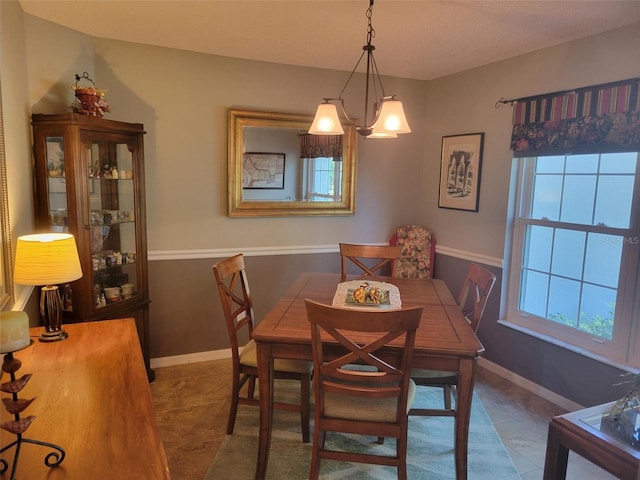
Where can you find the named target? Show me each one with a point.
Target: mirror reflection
(277, 168)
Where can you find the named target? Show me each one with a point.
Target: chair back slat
(358, 254)
(235, 296)
(362, 369)
(475, 291)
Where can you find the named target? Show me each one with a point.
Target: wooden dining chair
(235, 296)
(418, 252)
(472, 300)
(356, 389)
(359, 254)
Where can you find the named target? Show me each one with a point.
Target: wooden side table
(93, 400)
(580, 431)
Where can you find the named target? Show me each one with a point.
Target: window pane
(568, 253)
(554, 164)
(613, 206)
(582, 163)
(533, 292)
(602, 264)
(537, 253)
(546, 197)
(578, 198)
(597, 308)
(564, 301)
(619, 162)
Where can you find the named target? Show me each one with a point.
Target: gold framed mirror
(269, 173)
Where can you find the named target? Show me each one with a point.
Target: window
(324, 178)
(575, 251)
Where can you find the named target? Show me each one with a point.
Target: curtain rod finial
(502, 101)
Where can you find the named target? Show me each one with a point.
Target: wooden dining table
(444, 341)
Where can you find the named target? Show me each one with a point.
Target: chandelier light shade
(391, 119)
(383, 114)
(46, 260)
(326, 121)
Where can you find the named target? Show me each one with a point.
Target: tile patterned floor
(192, 404)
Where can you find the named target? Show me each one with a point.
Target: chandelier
(385, 118)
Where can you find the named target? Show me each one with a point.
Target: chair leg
(318, 444)
(233, 408)
(305, 408)
(401, 451)
(251, 388)
(447, 397)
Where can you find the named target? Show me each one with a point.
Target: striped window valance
(601, 117)
(314, 146)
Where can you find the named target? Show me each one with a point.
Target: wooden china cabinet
(89, 181)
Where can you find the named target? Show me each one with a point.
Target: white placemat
(340, 297)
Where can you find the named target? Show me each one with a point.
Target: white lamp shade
(326, 121)
(46, 259)
(391, 118)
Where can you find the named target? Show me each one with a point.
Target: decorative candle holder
(18, 426)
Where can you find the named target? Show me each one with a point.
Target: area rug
(430, 452)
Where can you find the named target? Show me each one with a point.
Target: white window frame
(624, 347)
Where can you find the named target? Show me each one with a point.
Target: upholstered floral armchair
(418, 252)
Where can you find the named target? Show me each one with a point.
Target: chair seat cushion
(367, 409)
(431, 374)
(249, 358)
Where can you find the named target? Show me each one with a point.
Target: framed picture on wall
(263, 170)
(460, 168)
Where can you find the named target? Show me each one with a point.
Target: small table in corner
(580, 431)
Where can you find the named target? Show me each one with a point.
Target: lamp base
(53, 336)
(51, 311)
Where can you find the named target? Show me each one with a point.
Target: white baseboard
(190, 358)
(534, 388)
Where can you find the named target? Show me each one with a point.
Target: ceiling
(424, 39)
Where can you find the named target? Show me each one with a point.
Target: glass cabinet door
(112, 222)
(56, 185)
(57, 201)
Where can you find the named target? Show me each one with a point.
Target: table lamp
(46, 260)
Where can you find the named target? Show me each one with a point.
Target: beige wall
(182, 99)
(465, 103)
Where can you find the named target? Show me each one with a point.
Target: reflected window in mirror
(324, 177)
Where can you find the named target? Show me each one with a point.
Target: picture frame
(263, 170)
(460, 171)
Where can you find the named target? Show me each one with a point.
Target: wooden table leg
(463, 415)
(555, 462)
(265, 388)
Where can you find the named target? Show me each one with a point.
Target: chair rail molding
(471, 256)
(265, 251)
